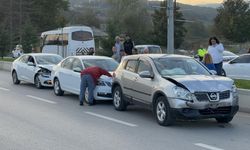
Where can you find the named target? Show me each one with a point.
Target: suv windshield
(106, 64)
(170, 66)
(48, 59)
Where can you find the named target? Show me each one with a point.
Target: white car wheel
(15, 78)
(38, 83)
(57, 88)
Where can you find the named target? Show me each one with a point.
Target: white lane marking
(41, 99)
(207, 146)
(4, 89)
(112, 119)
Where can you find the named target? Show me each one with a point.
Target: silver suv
(175, 87)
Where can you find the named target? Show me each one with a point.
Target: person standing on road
(118, 47)
(128, 45)
(215, 49)
(89, 79)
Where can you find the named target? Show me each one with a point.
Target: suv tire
(224, 119)
(118, 101)
(162, 112)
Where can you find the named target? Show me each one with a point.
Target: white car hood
(49, 67)
(203, 83)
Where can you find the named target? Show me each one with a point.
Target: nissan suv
(175, 87)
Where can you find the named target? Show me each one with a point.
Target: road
(36, 119)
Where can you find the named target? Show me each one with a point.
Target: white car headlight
(182, 93)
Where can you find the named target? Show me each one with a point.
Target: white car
(238, 68)
(227, 56)
(153, 49)
(66, 75)
(34, 68)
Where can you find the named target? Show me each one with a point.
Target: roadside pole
(170, 32)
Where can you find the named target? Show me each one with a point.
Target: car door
(65, 74)
(75, 78)
(143, 86)
(128, 78)
(30, 69)
(237, 67)
(20, 66)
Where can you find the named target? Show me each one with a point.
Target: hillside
(193, 13)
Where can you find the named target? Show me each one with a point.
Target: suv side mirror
(30, 63)
(146, 74)
(77, 69)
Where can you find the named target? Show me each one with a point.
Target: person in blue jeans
(89, 78)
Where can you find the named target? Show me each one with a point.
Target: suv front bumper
(189, 113)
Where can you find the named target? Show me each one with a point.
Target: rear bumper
(189, 113)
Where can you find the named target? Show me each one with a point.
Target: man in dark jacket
(128, 45)
(89, 78)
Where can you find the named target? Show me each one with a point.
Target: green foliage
(84, 15)
(232, 21)
(3, 39)
(160, 26)
(29, 37)
(47, 14)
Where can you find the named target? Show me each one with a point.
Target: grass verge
(243, 84)
(9, 59)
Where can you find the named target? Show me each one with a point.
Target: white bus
(68, 41)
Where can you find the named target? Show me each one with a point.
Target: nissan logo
(213, 96)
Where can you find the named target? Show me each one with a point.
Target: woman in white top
(215, 49)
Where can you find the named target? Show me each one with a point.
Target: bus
(68, 41)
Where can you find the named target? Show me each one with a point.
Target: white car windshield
(106, 64)
(48, 59)
(170, 66)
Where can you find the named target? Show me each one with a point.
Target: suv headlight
(234, 88)
(182, 93)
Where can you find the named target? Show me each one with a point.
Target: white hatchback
(66, 75)
(34, 68)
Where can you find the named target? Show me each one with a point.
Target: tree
(85, 15)
(232, 21)
(129, 17)
(29, 36)
(160, 26)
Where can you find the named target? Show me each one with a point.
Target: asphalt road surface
(36, 119)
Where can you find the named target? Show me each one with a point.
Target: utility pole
(170, 33)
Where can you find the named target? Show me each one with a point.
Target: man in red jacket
(89, 78)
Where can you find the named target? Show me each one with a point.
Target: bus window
(82, 36)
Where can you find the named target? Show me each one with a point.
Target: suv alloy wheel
(118, 100)
(162, 112)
